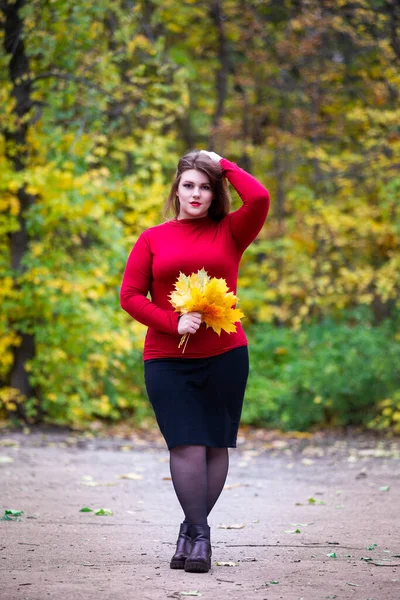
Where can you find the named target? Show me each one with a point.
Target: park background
(97, 102)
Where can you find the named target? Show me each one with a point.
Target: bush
(330, 373)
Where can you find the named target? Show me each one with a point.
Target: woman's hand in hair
(189, 323)
(213, 155)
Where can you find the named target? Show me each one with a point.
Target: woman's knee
(189, 451)
(216, 452)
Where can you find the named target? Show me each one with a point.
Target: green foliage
(328, 373)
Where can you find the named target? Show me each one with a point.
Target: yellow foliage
(8, 340)
(209, 296)
(11, 203)
(9, 395)
(102, 405)
(122, 402)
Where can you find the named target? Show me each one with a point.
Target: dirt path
(55, 551)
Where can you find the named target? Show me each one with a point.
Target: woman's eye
(203, 187)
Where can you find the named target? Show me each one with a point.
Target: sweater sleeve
(247, 221)
(135, 287)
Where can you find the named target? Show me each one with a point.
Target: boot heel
(199, 559)
(183, 547)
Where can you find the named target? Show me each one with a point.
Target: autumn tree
(98, 99)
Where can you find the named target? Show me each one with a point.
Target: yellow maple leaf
(235, 314)
(209, 296)
(199, 280)
(182, 294)
(216, 288)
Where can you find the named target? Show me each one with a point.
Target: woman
(197, 396)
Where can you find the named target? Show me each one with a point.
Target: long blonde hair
(201, 162)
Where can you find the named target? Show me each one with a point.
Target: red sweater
(186, 246)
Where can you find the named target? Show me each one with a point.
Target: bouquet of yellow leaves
(209, 296)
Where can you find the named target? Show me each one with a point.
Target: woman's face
(195, 195)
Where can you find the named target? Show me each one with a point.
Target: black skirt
(198, 401)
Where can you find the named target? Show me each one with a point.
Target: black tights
(198, 474)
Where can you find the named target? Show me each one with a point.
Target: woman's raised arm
(247, 221)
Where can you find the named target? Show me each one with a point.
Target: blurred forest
(99, 99)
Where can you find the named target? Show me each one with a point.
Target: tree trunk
(221, 82)
(393, 10)
(16, 151)
(245, 158)
(279, 169)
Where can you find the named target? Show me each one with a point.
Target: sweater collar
(200, 221)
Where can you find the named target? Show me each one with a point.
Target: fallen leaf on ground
(384, 488)
(104, 511)
(234, 526)
(332, 555)
(133, 476)
(226, 564)
(71, 440)
(194, 593)
(167, 478)
(99, 483)
(8, 443)
(86, 509)
(314, 501)
(375, 452)
(6, 459)
(126, 448)
(13, 513)
(231, 486)
(292, 531)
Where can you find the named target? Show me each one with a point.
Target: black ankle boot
(183, 547)
(199, 559)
